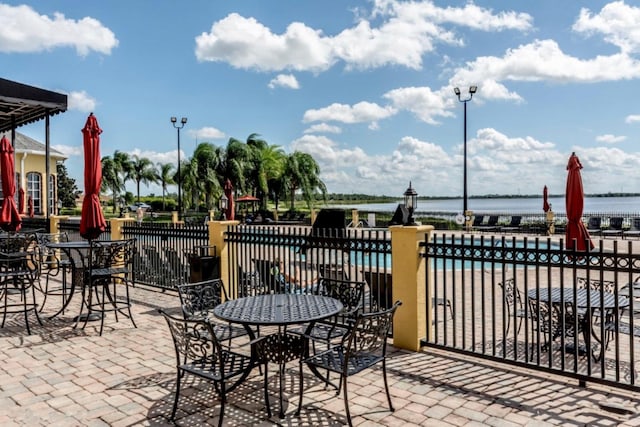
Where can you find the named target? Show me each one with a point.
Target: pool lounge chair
(634, 231)
(593, 225)
(492, 224)
(513, 226)
(477, 221)
(615, 227)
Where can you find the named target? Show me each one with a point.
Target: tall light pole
(472, 90)
(182, 123)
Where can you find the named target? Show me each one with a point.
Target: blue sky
(366, 87)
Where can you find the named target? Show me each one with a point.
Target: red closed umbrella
(228, 192)
(21, 201)
(545, 199)
(9, 217)
(92, 222)
(576, 231)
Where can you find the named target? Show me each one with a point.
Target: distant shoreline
(340, 199)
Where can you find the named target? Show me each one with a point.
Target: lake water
(506, 205)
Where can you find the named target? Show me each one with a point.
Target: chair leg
(300, 378)
(223, 400)
(266, 391)
(177, 396)
(346, 400)
(386, 384)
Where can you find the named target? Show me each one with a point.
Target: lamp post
(472, 90)
(223, 204)
(411, 203)
(183, 122)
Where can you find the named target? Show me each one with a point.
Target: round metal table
(278, 310)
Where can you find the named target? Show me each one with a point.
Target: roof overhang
(22, 104)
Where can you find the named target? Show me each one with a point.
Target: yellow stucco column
(54, 222)
(116, 227)
(409, 285)
(355, 218)
(217, 229)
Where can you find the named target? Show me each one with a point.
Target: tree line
(254, 168)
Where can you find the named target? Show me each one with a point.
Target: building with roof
(31, 170)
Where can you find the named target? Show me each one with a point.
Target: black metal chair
(280, 348)
(52, 263)
(199, 353)
(363, 347)
(198, 301)
(110, 267)
(349, 293)
(17, 284)
(514, 305)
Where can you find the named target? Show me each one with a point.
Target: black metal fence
(162, 258)
(533, 303)
(261, 257)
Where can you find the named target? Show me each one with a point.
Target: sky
(365, 87)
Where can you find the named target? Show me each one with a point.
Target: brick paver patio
(60, 376)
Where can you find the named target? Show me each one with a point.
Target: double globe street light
(183, 122)
(472, 90)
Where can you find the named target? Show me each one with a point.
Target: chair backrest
(584, 283)
(270, 279)
(200, 298)
(349, 293)
(515, 221)
(635, 224)
(493, 220)
(477, 220)
(193, 340)
(369, 333)
(615, 223)
(594, 222)
(113, 253)
(510, 293)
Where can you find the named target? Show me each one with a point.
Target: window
(51, 200)
(34, 190)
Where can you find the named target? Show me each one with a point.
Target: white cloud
(423, 102)
(68, 150)
(617, 21)
(81, 101)
(23, 30)
(206, 133)
(396, 33)
(610, 139)
(323, 128)
(159, 157)
(284, 80)
(358, 113)
(632, 118)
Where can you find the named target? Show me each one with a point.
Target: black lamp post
(411, 203)
(223, 204)
(182, 122)
(472, 90)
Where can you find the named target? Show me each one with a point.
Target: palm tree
(143, 171)
(165, 178)
(208, 158)
(123, 166)
(268, 162)
(111, 180)
(303, 174)
(234, 162)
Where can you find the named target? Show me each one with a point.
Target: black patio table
(279, 310)
(78, 252)
(588, 300)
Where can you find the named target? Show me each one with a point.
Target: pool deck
(60, 376)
